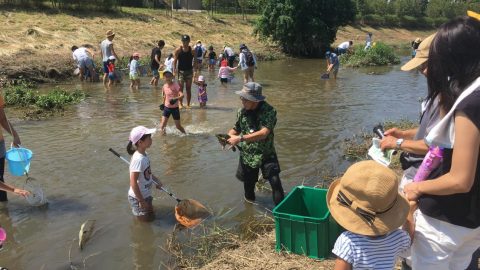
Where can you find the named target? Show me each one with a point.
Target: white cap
(111, 57)
(201, 78)
(137, 133)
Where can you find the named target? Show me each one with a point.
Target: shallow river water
(83, 180)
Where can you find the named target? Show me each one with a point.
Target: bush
(409, 22)
(379, 55)
(392, 20)
(373, 20)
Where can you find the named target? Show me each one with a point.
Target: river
(83, 180)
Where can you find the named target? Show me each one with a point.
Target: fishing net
(190, 213)
(36, 196)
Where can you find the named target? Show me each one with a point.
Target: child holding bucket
(365, 201)
(141, 177)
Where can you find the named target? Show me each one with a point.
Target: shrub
(373, 20)
(380, 54)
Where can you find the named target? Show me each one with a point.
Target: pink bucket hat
(201, 78)
(137, 133)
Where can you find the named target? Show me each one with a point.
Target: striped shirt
(365, 252)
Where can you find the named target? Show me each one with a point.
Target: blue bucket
(18, 160)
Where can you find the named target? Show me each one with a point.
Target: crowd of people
(432, 224)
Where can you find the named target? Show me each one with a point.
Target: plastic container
(430, 162)
(18, 160)
(303, 224)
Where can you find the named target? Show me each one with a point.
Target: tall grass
(379, 54)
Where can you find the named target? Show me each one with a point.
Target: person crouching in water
(141, 177)
(253, 132)
(171, 94)
(366, 202)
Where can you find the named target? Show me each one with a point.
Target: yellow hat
(421, 56)
(473, 14)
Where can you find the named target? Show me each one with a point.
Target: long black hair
(131, 148)
(453, 60)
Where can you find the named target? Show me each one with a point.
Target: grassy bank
(36, 45)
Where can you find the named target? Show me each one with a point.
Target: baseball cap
(111, 57)
(421, 56)
(137, 133)
(327, 53)
(167, 71)
(201, 78)
(185, 38)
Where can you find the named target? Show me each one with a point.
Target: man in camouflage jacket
(253, 132)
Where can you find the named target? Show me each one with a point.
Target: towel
(443, 133)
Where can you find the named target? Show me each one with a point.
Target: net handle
(156, 182)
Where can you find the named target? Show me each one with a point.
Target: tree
(304, 27)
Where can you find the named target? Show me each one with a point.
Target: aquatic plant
(26, 96)
(378, 55)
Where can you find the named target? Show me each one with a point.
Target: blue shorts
(175, 112)
(112, 76)
(135, 204)
(212, 61)
(155, 72)
(105, 67)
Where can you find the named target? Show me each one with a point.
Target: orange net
(190, 213)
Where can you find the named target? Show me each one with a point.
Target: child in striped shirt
(366, 202)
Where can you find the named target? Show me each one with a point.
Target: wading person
(16, 142)
(155, 62)
(106, 50)
(84, 59)
(183, 66)
(253, 132)
(248, 63)
(333, 64)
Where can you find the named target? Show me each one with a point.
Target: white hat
(201, 78)
(137, 133)
(111, 57)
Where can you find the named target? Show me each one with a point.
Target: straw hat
(418, 40)
(366, 200)
(110, 33)
(421, 56)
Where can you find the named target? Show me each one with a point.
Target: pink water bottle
(430, 162)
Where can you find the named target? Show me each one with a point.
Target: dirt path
(36, 45)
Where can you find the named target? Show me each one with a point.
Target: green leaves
(303, 28)
(378, 55)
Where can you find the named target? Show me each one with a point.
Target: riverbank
(36, 45)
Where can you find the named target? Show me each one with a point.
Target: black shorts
(175, 112)
(224, 80)
(269, 167)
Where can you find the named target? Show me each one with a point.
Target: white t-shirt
(364, 252)
(169, 63)
(141, 163)
(80, 54)
(106, 50)
(229, 51)
(345, 45)
(134, 67)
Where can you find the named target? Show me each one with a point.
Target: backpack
(249, 59)
(199, 51)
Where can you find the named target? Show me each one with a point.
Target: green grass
(380, 54)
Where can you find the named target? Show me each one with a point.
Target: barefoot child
(134, 71)
(366, 202)
(224, 72)
(141, 177)
(202, 91)
(171, 95)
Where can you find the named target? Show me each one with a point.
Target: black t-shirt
(462, 209)
(154, 64)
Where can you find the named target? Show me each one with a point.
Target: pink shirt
(171, 91)
(224, 72)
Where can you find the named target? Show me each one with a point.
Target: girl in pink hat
(134, 71)
(202, 91)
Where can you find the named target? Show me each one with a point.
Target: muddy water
(85, 181)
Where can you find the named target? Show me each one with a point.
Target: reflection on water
(83, 180)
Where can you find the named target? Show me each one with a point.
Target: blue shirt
(333, 58)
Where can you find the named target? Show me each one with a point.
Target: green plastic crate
(303, 224)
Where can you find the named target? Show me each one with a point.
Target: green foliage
(23, 95)
(408, 8)
(378, 55)
(303, 27)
